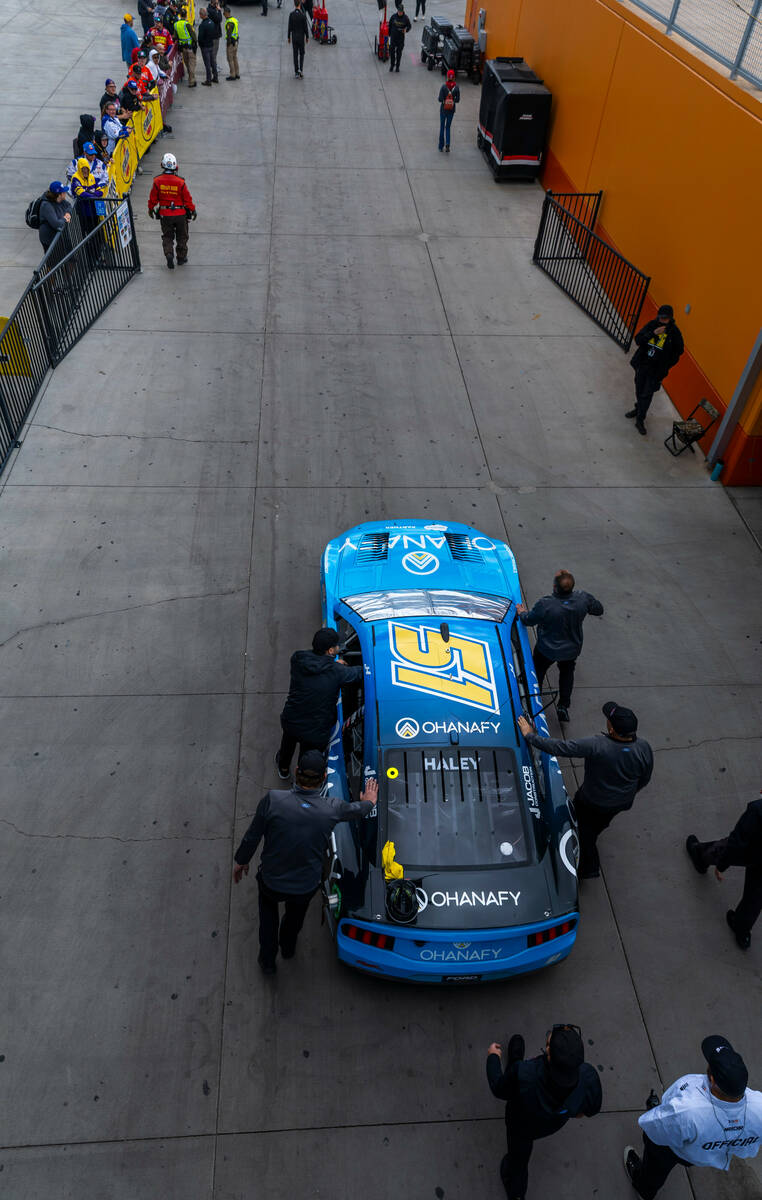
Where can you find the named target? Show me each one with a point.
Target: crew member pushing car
(310, 712)
(296, 826)
(171, 201)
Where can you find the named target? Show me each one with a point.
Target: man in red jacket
(171, 201)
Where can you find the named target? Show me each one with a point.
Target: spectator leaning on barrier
(206, 35)
(86, 191)
(86, 128)
(231, 47)
(54, 213)
(186, 40)
(110, 96)
(130, 40)
(112, 128)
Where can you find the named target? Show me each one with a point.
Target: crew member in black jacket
(296, 826)
(310, 713)
(399, 25)
(559, 635)
(541, 1094)
(617, 765)
(298, 34)
(660, 344)
(207, 32)
(741, 848)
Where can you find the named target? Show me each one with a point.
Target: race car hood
(438, 687)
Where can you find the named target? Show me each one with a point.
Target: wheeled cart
(460, 53)
(432, 41)
(381, 42)
(513, 119)
(321, 30)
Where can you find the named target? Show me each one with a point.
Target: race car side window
(524, 696)
(353, 711)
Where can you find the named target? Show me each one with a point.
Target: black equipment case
(513, 118)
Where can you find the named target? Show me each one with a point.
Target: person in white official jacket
(702, 1121)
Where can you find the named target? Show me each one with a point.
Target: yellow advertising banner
(123, 164)
(147, 125)
(14, 359)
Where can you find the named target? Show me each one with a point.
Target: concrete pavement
(359, 334)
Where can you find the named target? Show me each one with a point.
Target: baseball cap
(324, 639)
(312, 762)
(58, 188)
(132, 85)
(665, 312)
(623, 720)
(109, 81)
(727, 1067)
(89, 148)
(128, 16)
(567, 1055)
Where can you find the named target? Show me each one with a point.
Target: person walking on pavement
(231, 43)
(420, 7)
(214, 12)
(296, 826)
(186, 40)
(541, 1094)
(399, 25)
(703, 1120)
(617, 765)
(171, 201)
(660, 344)
(206, 35)
(130, 40)
(309, 714)
(559, 619)
(449, 97)
(298, 35)
(741, 848)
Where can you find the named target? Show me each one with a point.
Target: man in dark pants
(310, 712)
(660, 344)
(172, 202)
(541, 1094)
(559, 636)
(703, 1120)
(741, 848)
(214, 13)
(207, 32)
(399, 25)
(296, 826)
(298, 35)
(617, 765)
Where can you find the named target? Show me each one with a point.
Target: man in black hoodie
(309, 714)
(298, 34)
(541, 1094)
(660, 344)
(559, 633)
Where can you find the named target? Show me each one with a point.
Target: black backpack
(32, 216)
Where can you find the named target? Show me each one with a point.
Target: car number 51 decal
(460, 669)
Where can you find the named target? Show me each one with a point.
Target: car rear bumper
(453, 956)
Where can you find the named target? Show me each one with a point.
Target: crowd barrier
(144, 128)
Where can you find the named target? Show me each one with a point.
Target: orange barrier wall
(677, 149)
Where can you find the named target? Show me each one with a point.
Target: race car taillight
(368, 937)
(549, 935)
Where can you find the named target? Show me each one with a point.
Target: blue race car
(476, 822)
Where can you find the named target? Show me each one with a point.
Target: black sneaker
(631, 1163)
(229, 77)
(266, 968)
(563, 714)
(170, 263)
(284, 775)
(640, 427)
(633, 412)
(690, 845)
(287, 953)
(743, 937)
(181, 262)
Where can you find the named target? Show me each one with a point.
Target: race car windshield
(421, 602)
(454, 807)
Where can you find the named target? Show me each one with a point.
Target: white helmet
(169, 162)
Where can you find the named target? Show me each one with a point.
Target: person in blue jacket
(449, 98)
(129, 40)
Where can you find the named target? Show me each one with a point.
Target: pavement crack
(112, 837)
(148, 437)
(107, 612)
(740, 737)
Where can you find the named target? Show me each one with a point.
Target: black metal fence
(591, 272)
(86, 267)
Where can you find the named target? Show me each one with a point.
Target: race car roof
(417, 553)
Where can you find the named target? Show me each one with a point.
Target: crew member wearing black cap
(617, 765)
(703, 1120)
(660, 344)
(559, 634)
(296, 826)
(309, 714)
(741, 848)
(541, 1094)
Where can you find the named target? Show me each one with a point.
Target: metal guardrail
(591, 272)
(75, 282)
(729, 31)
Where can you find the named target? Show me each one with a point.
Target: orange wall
(676, 148)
